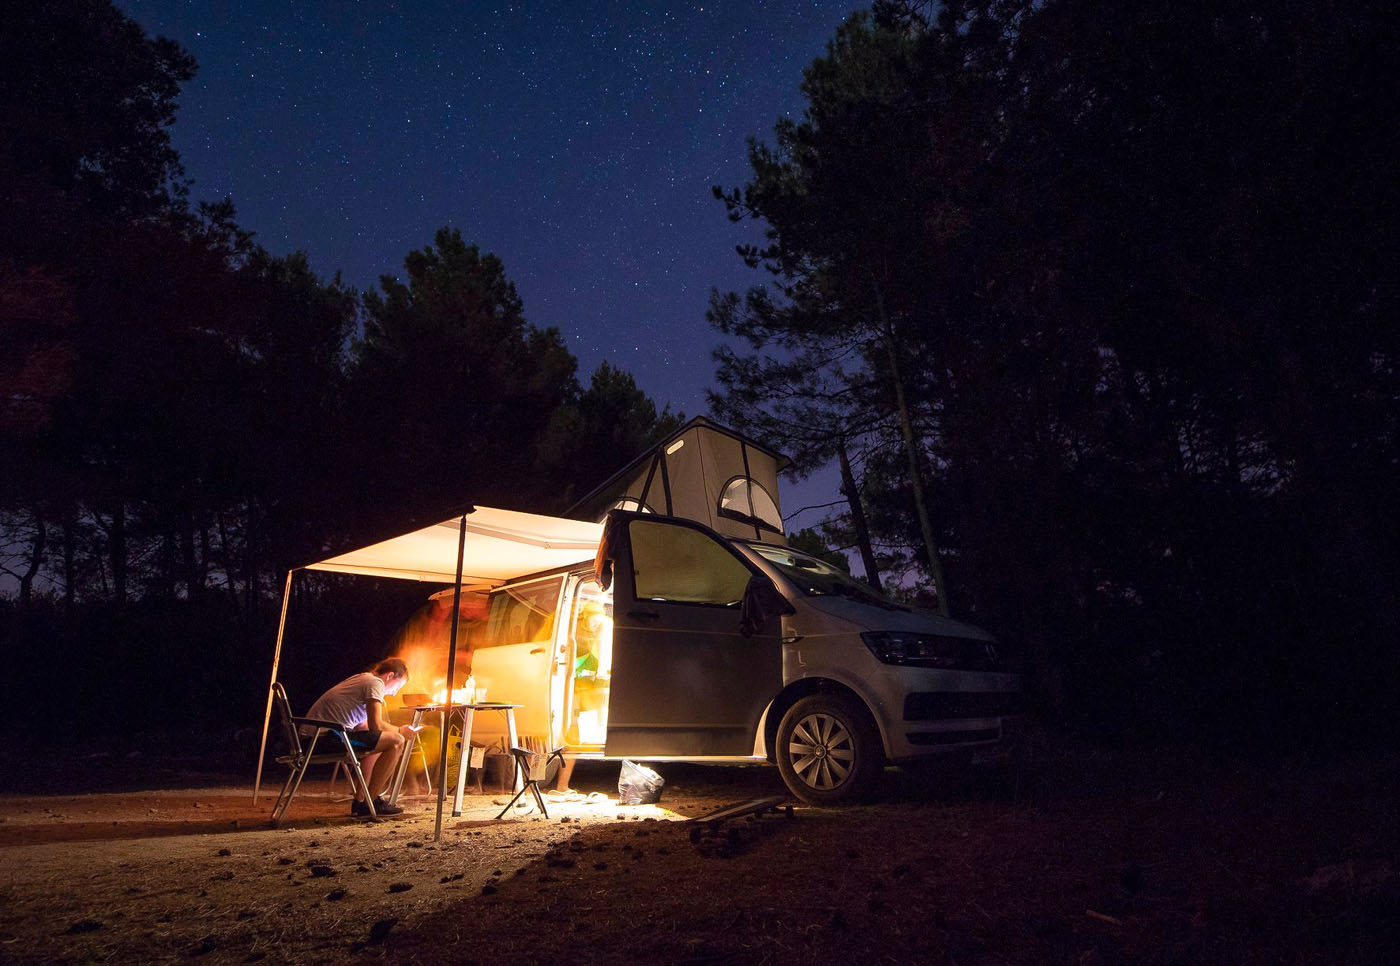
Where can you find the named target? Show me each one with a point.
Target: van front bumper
(935, 723)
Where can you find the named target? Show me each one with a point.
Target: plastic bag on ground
(638, 785)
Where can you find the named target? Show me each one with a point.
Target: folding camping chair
(534, 766)
(299, 758)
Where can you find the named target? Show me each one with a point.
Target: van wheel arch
(794, 693)
(828, 749)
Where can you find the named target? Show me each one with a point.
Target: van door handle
(646, 615)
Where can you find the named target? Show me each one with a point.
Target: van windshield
(817, 578)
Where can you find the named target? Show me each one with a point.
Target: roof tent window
(734, 502)
(631, 504)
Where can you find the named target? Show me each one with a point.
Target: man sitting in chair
(358, 704)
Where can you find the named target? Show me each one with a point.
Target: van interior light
(674, 446)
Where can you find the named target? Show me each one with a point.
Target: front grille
(952, 737)
(949, 705)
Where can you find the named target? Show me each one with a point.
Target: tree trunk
(36, 560)
(116, 552)
(226, 555)
(70, 562)
(852, 494)
(906, 428)
(250, 562)
(189, 561)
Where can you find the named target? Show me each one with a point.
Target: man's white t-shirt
(348, 702)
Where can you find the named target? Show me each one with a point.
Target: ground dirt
(1075, 857)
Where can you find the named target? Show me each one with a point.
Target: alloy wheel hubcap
(822, 751)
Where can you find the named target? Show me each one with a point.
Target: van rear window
(523, 614)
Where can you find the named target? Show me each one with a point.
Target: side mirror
(761, 601)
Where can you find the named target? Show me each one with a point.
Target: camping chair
(298, 759)
(534, 766)
(416, 747)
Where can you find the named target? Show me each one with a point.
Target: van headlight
(931, 650)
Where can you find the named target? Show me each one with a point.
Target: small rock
(320, 871)
(400, 887)
(284, 860)
(380, 930)
(488, 890)
(335, 896)
(225, 852)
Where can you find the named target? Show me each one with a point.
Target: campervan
(680, 643)
(665, 617)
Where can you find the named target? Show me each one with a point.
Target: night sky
(578, 141)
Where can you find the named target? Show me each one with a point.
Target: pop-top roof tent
(701, 472)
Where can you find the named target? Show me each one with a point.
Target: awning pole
(451, 671)
(276, 657)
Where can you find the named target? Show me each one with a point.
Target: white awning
(501, 544)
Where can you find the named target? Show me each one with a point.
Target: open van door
(688, 680)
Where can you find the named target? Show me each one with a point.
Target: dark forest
(1093, 304)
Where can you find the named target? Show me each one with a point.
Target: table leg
(466, 759)
(401, 770)
(514, 742)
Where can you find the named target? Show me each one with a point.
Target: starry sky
(576, 140)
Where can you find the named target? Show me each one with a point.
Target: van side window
(521, 614)
(679, 564)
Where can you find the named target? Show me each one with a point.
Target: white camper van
(708, 648)
(697, 634)
(684, 627)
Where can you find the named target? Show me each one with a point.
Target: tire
(828, 750)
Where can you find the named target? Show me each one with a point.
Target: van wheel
(828, 750)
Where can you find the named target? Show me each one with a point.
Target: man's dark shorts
(363, 741)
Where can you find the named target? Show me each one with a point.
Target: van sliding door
(685, 681)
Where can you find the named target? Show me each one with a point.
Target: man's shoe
(381, 807)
